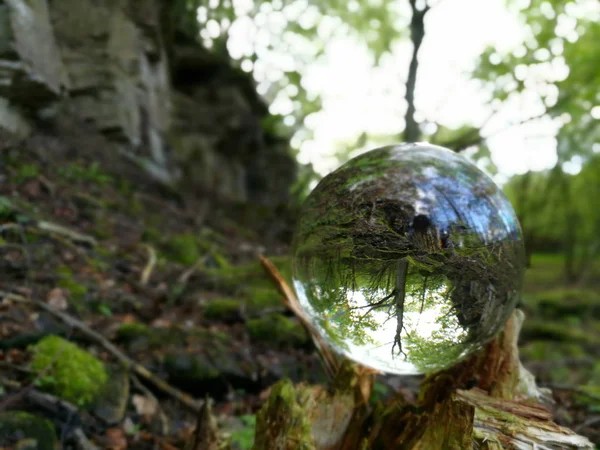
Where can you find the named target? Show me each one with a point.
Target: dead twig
(328, 358)
(147, 272)
(53, 406)
(74, 236)
(130, 365)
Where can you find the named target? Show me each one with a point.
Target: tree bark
(417, 33)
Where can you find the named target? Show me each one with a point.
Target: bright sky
(359, 97)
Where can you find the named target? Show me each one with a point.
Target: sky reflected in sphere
(408, 258)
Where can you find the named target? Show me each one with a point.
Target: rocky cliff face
(186, 116)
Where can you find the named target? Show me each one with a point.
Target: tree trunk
(417, 33)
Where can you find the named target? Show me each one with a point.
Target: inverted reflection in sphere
(408, 258)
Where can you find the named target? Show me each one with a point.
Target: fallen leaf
(116, 439)
(57, 299)
(144, 406)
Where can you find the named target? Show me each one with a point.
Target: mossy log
(489, 401)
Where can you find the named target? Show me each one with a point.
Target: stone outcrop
(185, 115)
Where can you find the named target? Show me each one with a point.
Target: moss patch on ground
(68, 371)
(226, 309)
(277, 329)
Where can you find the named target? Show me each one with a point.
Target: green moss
(222, 309)
(93, 173)
(16, 426)
(7, 209)
(182, 249)
(191, 368)
(551, 351)
(259, 298)
(539, 329)
(248, 276)
(559, 303)
(277, 329)
(128, 332)
(243, 437)
(68, 371)
(151, 234)
(77, 291)
(293, 428)
(27, 172)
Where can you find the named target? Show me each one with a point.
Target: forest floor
(136, 280)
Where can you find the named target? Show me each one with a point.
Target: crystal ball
(408, 258)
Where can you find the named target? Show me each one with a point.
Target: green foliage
(27, 172)
(277, 329)
(76, 290)
(558, 33)
(301, 30)
(69, 372)
(7, 209)
(243, 438)
(81, 173)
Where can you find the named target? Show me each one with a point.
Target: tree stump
(489, 401)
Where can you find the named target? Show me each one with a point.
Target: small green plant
(7, 209)
(27, 172)
(243, 438)
(68, 371)
(92, 173)
(76, 290)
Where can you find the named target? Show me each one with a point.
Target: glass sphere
(408, 258)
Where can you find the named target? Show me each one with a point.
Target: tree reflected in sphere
(408, 258)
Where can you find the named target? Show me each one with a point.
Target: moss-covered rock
(558, 303)
(277, 329)
(225, 309)
(68, 371)
(128, 332)
(140, 337)
(111, 404)
(258, 298)
(244, 278)
(557, 332)
(182, 249)
(17, 426)
(187, 367)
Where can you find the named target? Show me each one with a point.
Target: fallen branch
(128, 364)
(328, 358)
(74, 236)
(53, 406)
